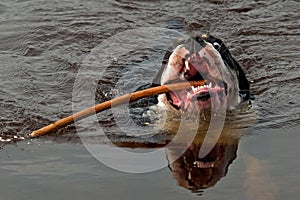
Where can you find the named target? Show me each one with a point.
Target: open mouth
(196, 68)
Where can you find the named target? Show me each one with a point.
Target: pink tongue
(189, 99)
(181, 99)
(178, 98)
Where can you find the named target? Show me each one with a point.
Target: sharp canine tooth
(193, 88)
(187, 67)
(182, 76)
(210, 85)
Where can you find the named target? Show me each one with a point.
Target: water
(45, 44)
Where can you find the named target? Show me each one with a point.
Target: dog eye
(216, 45)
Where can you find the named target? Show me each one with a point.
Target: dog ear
(244, 85)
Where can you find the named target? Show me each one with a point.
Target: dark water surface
(44, 44)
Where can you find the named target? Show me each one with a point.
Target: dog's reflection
(195, 173)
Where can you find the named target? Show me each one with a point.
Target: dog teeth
(187, 67)
(193, 88)
(196, 89)
(182, 76)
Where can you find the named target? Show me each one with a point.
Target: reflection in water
(195, 173)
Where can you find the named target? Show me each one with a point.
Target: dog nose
(200, 41)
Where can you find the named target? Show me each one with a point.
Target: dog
(201, 58)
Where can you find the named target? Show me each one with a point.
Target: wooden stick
(131, 97)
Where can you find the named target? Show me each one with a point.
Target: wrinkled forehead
(200, 48)
(193, 46)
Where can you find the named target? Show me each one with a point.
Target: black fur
(232, 63)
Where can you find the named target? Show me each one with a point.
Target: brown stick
(131, 97)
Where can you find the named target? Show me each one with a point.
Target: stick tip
(33, 134)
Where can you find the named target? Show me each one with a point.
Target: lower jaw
(210, 105)
(199, 106)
